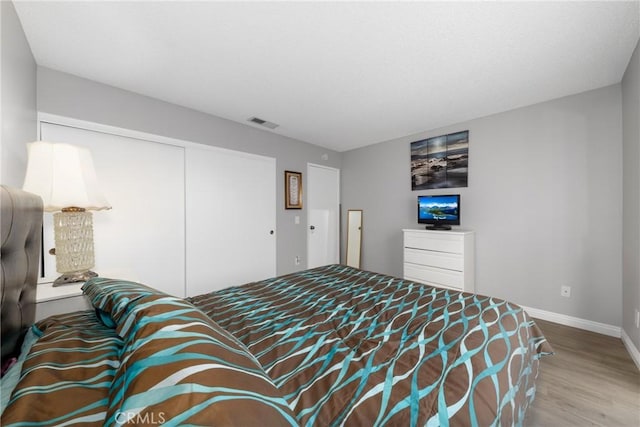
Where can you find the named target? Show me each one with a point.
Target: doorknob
(271, 232)
(312, 227)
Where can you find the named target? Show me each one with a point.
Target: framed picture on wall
(292, 190)
(440, 162)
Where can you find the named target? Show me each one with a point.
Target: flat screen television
(439, 212)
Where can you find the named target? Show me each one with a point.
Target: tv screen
(439, 212)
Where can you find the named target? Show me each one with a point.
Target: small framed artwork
(292, 190)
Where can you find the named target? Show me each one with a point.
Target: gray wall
(18, 97)
(544, 198)
(631, 194)
(71, 96)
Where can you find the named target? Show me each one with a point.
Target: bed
(328, 346)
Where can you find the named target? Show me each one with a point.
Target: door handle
(312, 227)
(271, 232)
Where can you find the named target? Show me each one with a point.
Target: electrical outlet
(637, 318)
(296, 260)
(565, 291)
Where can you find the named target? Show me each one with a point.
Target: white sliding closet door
(142, 238)
(231, 218)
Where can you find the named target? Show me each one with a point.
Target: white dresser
(440, 258)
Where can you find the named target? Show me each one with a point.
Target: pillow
(111, 297)
(67, 374)
(180, 367)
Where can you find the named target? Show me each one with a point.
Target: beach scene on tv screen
(439, 209)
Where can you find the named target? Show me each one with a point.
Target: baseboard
(576, 322)
(588, 325)
(632, 349)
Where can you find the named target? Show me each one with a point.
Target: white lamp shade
(63, 175)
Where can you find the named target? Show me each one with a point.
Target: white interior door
(142, 237)
(323, 201)
(231, 218)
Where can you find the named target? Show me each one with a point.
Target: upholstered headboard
(20, 230)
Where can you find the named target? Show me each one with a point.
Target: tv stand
(437, 227)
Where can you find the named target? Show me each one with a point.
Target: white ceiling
(343, 74)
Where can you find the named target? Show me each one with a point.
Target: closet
(186, 219)
(231, 218)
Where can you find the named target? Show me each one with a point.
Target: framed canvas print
(292, 190)
(440, 162)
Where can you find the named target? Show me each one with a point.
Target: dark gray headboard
(20, 230)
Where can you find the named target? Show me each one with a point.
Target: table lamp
(63, 175)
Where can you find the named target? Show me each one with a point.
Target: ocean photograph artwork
(440, 162)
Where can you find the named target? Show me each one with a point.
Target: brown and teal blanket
(328, 346)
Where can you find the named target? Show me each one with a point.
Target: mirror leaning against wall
(354, 237)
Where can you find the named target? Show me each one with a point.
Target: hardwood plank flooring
(590, 381)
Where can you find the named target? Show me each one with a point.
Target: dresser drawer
(450, 261)
(441, 242)
(435, 276)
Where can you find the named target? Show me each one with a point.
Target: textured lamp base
(74, 277)
(73, 229)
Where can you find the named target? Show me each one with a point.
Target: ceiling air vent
(264, 123)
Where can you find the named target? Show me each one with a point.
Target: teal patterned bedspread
(350, 347)
(324, 347)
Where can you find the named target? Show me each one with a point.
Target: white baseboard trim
(576, 322)
(588, 325)
(632, 349)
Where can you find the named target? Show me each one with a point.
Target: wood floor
(589, 381)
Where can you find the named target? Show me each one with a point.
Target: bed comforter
(350, 347)
(328, 346)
